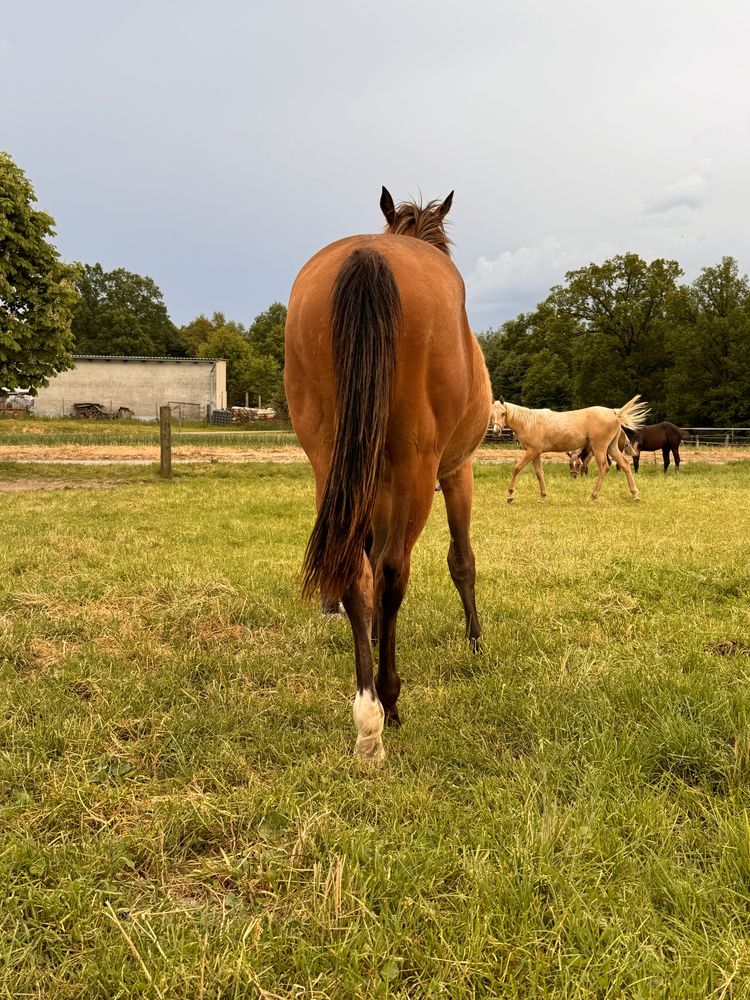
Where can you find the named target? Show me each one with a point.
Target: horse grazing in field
(387, 391)
(548, 430)
(654, 437)
(578, 461)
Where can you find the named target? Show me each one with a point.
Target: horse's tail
(365, 318)
(633, 414)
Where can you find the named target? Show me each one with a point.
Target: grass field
(566, 815)
(54, 432)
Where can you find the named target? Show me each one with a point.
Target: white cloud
(691, 192)
(517, 280)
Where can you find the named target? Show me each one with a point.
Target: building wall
(143, 384)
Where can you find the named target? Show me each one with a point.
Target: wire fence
(721, 437)
(726, 437)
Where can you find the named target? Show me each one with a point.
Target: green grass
(567, 815)
(48, 433)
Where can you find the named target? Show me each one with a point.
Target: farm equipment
(96, 411)
(15, 404)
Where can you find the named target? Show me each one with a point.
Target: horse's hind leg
(624, 464)
(676, 455)
(600, 456)
(665, 456)
(380, 519)
(457, 491)
(411, 498)
(540, 476)
(367, 710)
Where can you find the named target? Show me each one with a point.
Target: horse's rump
(365, 317)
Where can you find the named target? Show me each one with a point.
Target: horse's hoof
(392, 718)
(369, 754)
(476, 646)
(509, 500)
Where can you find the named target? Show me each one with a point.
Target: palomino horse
(388, 391)
(548, 430)
(578, 461)
(664, 437)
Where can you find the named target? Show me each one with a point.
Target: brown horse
(388, 391)
(664, 437)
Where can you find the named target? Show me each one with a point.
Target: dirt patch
(71, 454)
(143, 454)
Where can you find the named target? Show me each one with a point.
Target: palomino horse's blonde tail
(633, 414)
(365, 319)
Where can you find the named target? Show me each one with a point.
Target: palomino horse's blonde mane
(528, 417)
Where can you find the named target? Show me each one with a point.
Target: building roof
(134, 357)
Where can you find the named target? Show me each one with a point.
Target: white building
(195, 386)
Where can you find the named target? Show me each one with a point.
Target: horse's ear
(387, 206)
(446, 206)
(502, 401)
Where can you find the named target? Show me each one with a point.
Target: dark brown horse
(664, 437)
(387, 391)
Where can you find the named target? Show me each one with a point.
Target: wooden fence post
(165, 441)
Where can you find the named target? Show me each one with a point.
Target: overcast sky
(214, 145)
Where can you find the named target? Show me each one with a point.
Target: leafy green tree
(266, 333)
(709, 383)
(266, 381)
(194, 334)
(622, 310)
(37, 290)
(228, 343)
(529, 358)
(547, 382)
(254, 357)
(507, 353)
(122, 313)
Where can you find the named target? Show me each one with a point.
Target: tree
(228, 343)
(266, 333)
(37, 290)
(547, 382)
(194, 334)
(123, 313)
(529, 358)
(265, 381)
(622, 311)
(507, 354)
(710, 380)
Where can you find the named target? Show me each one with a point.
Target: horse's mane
(427, 221)
(529, 418)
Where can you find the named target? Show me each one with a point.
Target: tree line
(626, 326)
(51, 310)
(122, 313)
(609, 331)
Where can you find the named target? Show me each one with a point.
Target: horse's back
(441, 398)
(655, 436)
